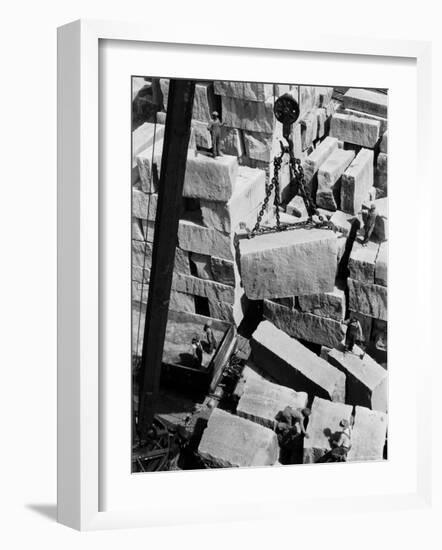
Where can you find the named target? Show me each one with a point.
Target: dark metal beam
(173, 168)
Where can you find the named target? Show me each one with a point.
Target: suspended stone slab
(362, 261)
(261, 400)
(366, 381)
(368, 435)
(353, 129)
(289, 263)
(368, 299)
(306, 326)
(329, 178)
(323, 428)
(367, 101)
(291, 364)
(357, 181)
(231, 441)
(210, 179)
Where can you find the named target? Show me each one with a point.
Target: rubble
(230, 441)
(261, 400)
(329, 175)
(291, 364)
(323, 428)
(357, 180)
(366, 381)
(368, 435)
(288, 264)
(356, 130)
(306, 326)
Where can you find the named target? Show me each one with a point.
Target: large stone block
(258, 145)
(197, 238)
(144, 206)
(323, 428)
(381, 173)
(232, 142)
(291, 364)
(381, 266)
(327, 304)
(381, 228)
(141, 253)
(340, 221)
(367, 101)
(210, 179)
(224, 271)
(203, 102)
(366, 381)
(261, 400)
(361, 263)
(368, 435)
(179, 301)
(357, 181)
(248, 115)
(291, 263)
(203, 287)
(368, 299)
(321, 115)
(241, 207)
(329, 178)
(306, 326)
(231, 441)
(250, 91)
(202, 135)
(222, 310)
(356, 130)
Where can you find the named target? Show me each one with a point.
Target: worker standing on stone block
(214, 128)
(354, 333)
(369, 224)
(211, 340)
(197, 351)
(341, 446)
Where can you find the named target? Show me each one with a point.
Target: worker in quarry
(342, 445)
(214, 128)
(290, 423)
(197, 351)
(354, 334)
(369, 223)
(210, 337)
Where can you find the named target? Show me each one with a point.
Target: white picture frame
(79, 272)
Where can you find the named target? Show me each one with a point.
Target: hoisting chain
(300, 188)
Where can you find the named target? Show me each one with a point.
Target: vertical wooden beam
(173, 169)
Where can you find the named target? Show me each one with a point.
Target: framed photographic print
(231, 292)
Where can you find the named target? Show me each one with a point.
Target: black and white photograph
(259, 274)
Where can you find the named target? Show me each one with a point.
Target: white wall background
(28, 260)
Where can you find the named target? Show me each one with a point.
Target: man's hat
(306, 411)
(215, 113)
(344, 423)
(372, 206)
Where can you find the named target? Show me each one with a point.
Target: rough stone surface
(361, 263)
(381, 228)
(367, 101)
(144, 206)
(223, 271)
(366, 381)
(323, 427)
(368, 299)
(306, 326)
(296, 207)
(290, 363)
(202, 135)
(202, 265)
(231, 142)
(288, 264)
(202, 287)
(141, 253)
(356, 130)
(230, 441)
(341, 222)
(309, 129)
(210, 179)
(329, 175)
(381, 266)
(357, 181)
(197, 238)
(146, 161)
(368, 435)
(179, 301)
(366, 324)
(137, 229)
(383, 146)
(221, 310)
(312, 163)
(326, 304)
(261, 400)
(251, 91)
(321, 115)
(381, 173)
(248, 115)
(203, 102)
(242, 206)
(258, 145)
